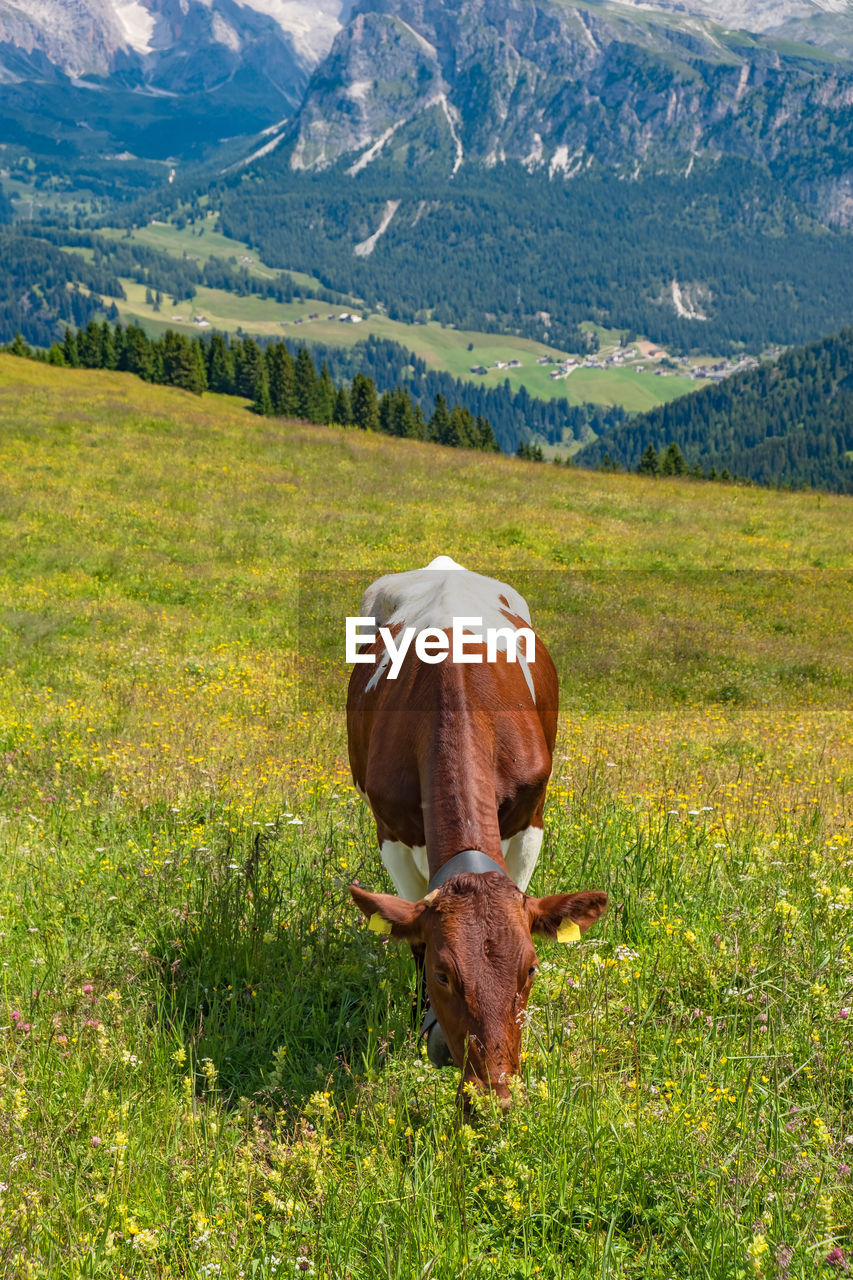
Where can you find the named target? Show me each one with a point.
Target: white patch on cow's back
(407, 867)
(445, 562)
(435, 595)
(381, 667)
(521, 853)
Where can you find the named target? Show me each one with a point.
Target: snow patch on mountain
(312, 27)
(136, 24)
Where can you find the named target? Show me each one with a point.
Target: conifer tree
(136, 353)
(673, 462)
(462, 432)
(262, 401)
(19, 347)
(324, 396)
(439, 423)
(485, 435)
(220, 365)
(109, 340)
(69, 349)
(306, 378)
(385, 413)
(402, 415)
(420, 426)
(365, 407)
(342, 412)
(649, 464)
(248, 364)
(183, 363)
(90, 346)
(281, 378)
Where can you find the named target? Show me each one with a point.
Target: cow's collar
(474, 861)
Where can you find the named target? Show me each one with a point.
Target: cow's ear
(390, 915)
(553, 916)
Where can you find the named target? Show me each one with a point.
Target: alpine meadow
(208, 1066)
(420, 956)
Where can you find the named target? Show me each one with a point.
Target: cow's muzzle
(438, 1050)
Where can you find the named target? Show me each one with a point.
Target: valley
(635, 384)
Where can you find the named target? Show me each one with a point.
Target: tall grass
(207, 1064)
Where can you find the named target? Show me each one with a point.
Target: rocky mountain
(99, 37)
(555, 84)
(568, 87)
(158, 78)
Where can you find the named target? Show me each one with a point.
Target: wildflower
(96, 1141)
(755, 1252)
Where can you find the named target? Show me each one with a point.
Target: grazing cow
(454, 757)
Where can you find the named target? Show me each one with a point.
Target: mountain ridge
(571, 87)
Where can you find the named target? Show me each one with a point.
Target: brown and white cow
(454, 758)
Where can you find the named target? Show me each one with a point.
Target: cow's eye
(532, 972)
(442, 979)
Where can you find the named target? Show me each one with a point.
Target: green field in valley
(207, 1066)
(443, 348)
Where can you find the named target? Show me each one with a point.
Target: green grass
(206, 1060)
(199, 240)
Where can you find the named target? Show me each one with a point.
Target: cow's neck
(458, 796)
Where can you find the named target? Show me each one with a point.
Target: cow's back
(451, 754)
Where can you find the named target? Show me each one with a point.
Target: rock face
(170, 46)
(571, 86)
(173, 78)
(556, 84)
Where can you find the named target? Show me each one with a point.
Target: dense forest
(515, 415)
(278, 383)
(505, 250)
(787, 423)
(40, 288)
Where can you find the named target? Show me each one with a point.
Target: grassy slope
(441, 348)
(206, 1063)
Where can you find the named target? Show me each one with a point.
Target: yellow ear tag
(568, 932)
(378, 924)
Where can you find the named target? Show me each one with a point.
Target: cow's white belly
(409, 870)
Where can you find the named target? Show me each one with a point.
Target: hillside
(721, 259)
(207, 1058)
(789, 422)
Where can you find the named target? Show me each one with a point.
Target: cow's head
(481, 961)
